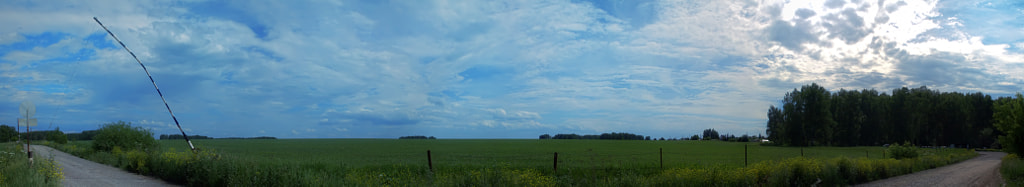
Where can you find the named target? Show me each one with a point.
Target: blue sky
(484, 69)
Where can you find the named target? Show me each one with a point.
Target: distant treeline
(9, 133)
(84, 135)
(709, 134)
(195, 137)
(178, 137)
(603, 136)
(39, 135)
(258, 137)
(417, 137)
(814, 116)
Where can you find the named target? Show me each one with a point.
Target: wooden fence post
(801, 152)
(661, 158)
(744, 155)
(556, 162)
(430, 162)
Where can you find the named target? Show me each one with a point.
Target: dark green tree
(776, 124)
(849, 117)
(1009, 118)
(808, 116)
(710, 134)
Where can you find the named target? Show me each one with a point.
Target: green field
(517, 153)
(393, 162)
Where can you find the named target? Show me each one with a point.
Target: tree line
(417, 137)
(9, 134)
(84, 135)
(813, 116)
(709, 134)
(602, 136)
(179, 137)
(255, 137)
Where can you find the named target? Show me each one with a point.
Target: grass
(522, 153)
(392, 162)
(15, 169)
(1012, 169)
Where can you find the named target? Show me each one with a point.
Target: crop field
(538, 154)
(394, 162)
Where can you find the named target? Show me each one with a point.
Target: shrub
(121, 134)
(57, 136)
(904, 151)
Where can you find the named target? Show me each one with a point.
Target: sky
(484, 69)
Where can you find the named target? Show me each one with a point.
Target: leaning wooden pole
(193, 148)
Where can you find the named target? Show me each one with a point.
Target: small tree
(123, 135)
(695, 137)
(545, 136)
(57, 136)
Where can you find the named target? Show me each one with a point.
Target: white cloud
(526, 67)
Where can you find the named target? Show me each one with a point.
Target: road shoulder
(81, 172)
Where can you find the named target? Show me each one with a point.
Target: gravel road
(978, 171)
(81, 172)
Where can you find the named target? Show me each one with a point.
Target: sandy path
(978, 171)
(81, 172)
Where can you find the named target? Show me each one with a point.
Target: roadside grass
(522, 153)
(1012, 169)
(15, 169)
(389, 162)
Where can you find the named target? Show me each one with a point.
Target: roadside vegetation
(393, 162)
(15, 169)
(1012, 170)
(1009, 118)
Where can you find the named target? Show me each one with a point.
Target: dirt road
(978, 171)
(81, 172)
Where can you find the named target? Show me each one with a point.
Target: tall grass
(474, 163)
(15, 169)
(1012, 170)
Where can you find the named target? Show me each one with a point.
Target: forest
(813, 116)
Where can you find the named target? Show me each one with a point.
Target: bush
(57, 136)
(123, 135)
(904, 151)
